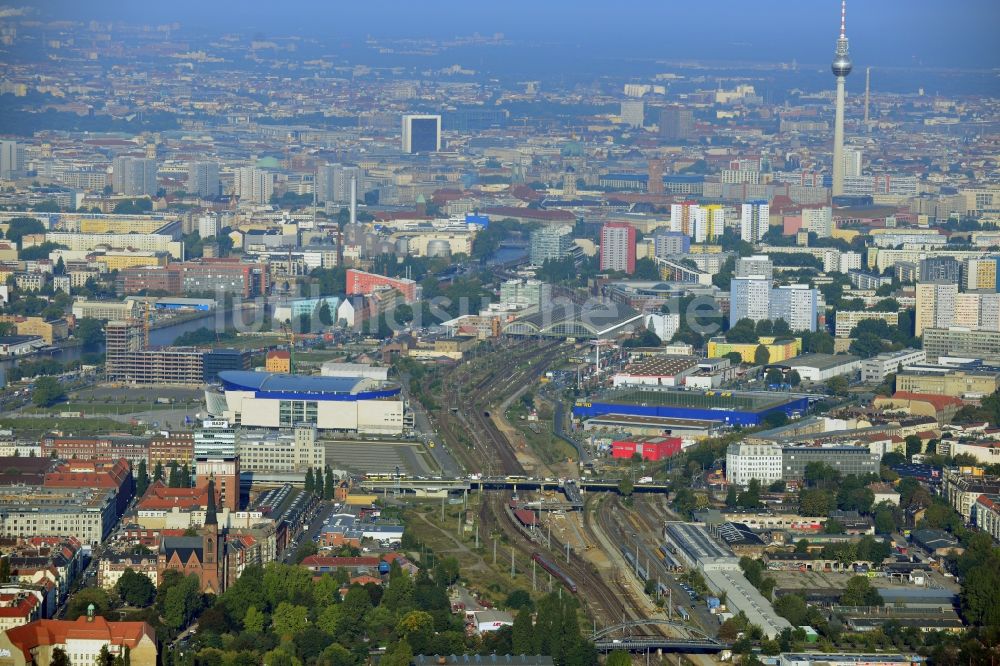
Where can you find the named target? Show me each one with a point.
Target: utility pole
(512, 571)
(477, 536)
(494, 550)
(533, 588)
(567, 552)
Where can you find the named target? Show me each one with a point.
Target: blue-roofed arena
(274, 400)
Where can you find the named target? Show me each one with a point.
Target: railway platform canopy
(601, 321)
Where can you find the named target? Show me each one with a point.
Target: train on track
(635, 566)
(556, 572)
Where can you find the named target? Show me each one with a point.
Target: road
(311, 531)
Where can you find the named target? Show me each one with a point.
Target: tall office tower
(550, 243)
(203, 179)
(133, 176)
(682, 217)
(757, 264)
(676, 123)
(749, 298)
(253, 185)
(939, 269)
(818, 220)
(796, 304)
(935, 306)
(633, 113)
(841, 68)
(655, 183)
(216, 460)
(354, 200)
(333, 182)
(709, 223)
(618, 247)
(11, 159)
(852, 162)
(421, 134)
(980, 274)
(754, 221)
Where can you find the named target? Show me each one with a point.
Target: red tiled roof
(938, 401)
(56, 632)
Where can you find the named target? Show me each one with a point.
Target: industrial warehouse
(729, 408)
(272, 400)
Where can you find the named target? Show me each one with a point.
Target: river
(158, 337)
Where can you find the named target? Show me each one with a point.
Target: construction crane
(147, 322)
(287, 329)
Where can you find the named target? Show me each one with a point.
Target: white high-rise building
(683, 217)
(203, 179)
(133, 176)
(935, 306)
(709, 223)
(754, 221)
(841, 68)
(796, 304)
(11, 159)
(633, 112)
(333, 182)
(253, 184)
(852, 162)
(818, 220)
(208, 226)
(749, 298)
(757, 264)
(746, 462)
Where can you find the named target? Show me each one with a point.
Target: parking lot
(380, 457)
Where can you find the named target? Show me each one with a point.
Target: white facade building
(745, 462)
(750, 298)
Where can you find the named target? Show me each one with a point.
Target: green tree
(310, 482)
(885, 521)
(859, 592)
(289, 619)
(793, 378)
(254, 621)
(417, 629)
(802, 546)
(793, 608)
(329, 485)
(89, 331)
(618, 658)
(914, 445)
(48, 391)
(135, 589)
(751, 498)
(626, 487)
(318, 476)
(141, 478)
(60, 658)
(19, 227)
(815, 502)
(104, 657)
(325, 316)
(837, 385)
(79, 602)
(336, 654)
(731, 497)
(522, 633)
(761, 356)
(401, 654)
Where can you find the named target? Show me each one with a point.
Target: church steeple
(210, 517)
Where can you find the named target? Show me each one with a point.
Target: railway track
(603, 602)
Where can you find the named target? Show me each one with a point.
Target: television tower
(841, 68)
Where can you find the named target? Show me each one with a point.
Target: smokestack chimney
(354, 199)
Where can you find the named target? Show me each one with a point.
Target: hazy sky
(926, 33)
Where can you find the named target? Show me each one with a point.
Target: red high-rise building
(618, 247)
(360, 283)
